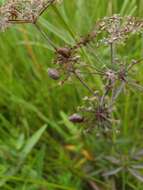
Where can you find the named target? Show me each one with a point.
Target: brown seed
(65, 52)
(53, 73)
(76, 118)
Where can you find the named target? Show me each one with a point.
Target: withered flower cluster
(22, 11)
(110, 33)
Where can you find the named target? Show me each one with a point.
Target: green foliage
(58, 155)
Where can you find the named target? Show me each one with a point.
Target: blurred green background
(35, 135)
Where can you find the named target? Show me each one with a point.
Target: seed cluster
(22, 11)
(110, 33)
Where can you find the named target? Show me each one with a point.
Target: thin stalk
(90, 48)
(90, 73)
(134, 63)
(20, 21)
(45, 36)
(116, 95)
(46, 6)
(112, 53)
(84, 83)
(123, 181)
(105, 93)
(103, 97)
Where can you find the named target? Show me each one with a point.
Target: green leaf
(31, 142)
(112, 172)
(136, 174)
(71, 127)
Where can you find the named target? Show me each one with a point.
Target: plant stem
(112, 53)
(84, 84)
(45, 36)
(46, 6)
(123, 181)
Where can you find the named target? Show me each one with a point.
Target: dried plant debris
(118, 28)
(127, 163)
(22, 11)
(109, 32)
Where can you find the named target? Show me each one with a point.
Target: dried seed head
(65, 52)
(76, 118)
(110, 75)
(53, 73)
(22, 11)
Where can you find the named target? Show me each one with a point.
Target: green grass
(39, 148)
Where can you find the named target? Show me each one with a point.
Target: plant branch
(45, 36)
(112, 53)
(84, 83)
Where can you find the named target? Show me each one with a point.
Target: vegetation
(41, 147)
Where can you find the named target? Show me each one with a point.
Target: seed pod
(65, 52)
(53, 73)
(76, 118)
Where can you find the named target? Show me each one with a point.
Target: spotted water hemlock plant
(83, 61)
(112, 34)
